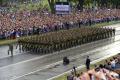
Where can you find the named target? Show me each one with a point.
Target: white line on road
(82, 66)
(51, 65)
(42, 68)
(45, 67)
(36, 58)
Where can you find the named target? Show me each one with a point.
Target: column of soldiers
(56, 41)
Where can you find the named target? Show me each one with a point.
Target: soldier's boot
(11, 53)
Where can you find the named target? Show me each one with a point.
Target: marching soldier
(10, 50)
(56, 41)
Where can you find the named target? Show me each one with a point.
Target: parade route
(25, 66)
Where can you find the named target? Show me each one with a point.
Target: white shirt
(76, 78)
(113, 63)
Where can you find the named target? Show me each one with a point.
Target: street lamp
(94, 4)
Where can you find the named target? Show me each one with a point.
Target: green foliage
(33, 6)
(49, 4)
(3, 2)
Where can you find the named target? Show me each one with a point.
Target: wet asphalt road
(42, 67)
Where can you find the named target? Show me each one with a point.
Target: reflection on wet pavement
(39, 69)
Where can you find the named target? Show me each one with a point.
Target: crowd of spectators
(110, 70)
(26, 23)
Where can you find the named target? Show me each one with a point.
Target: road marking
(51, 65)
(82, 66)
(36, 58)
(45, 67)
(49, 55)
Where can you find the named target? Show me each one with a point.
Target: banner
(62, 8)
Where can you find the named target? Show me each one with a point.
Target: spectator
(88, 63)
(70, 76)
(74, 70)
(50, 22)
(99, 73)
(113, 64)
(77, 77)
(66, 61)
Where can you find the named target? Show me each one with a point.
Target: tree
(80, 4)
(52, 4)
(3, 2)
(115, 3)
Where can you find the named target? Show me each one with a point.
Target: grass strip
(6, 42)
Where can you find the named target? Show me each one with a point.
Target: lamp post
(94, 4)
